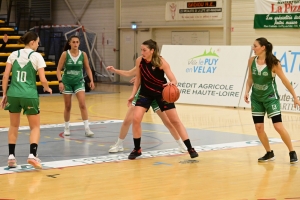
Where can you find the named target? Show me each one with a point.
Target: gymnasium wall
(242, 15)
(99, 17)
(109, 19)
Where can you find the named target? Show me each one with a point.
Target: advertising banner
(208, 75)
(277, 14)
(193, 10)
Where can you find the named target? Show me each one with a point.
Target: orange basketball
(171, 93)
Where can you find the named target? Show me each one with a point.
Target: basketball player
(22, 94)
(73, 60)
(118, 146)
(150, 77)
(264, 97)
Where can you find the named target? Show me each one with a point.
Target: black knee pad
(276, 119)
(258, 119)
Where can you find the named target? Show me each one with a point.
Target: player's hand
(92, 85)
(129, 102)
(246, 97)
(132, 80)
(48, 90)
(296, 102)
(3, 102)
(61, 87)
(169, 83)
(5, 38)
(111, 68)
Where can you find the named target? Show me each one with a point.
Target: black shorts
(145, 102)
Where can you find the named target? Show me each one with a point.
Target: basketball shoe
(293, 157)
(67, 132)
(116, 147)
(193, 153)
(134, 154)
(269, 156)
(34, 161)
(12, 162)
(88, 133)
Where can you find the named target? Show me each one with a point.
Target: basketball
(171, 93)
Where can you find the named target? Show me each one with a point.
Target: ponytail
(156, 59)
(271, 60)
(67, 45)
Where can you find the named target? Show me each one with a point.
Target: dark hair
(67, 45)
(271, 60)
(28, 37)
(156, 59)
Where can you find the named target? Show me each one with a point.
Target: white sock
(66, 124)
(120, 142)
(86, 124)
(179, 142)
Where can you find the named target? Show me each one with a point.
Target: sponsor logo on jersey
(260, 87)
(265, 73)
(73, 72)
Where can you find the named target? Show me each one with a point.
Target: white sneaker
(89, 133)
(34, 161)
(67, 132)
(12, 162)
(181, 147)
(116, 148)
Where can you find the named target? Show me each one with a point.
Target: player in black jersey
(150, 77)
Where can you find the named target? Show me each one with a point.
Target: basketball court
(77, 167)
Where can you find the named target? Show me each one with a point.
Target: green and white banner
(277, 14)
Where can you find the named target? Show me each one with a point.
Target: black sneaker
(267, 157)
(293, 157)
(193, 153)
(134, 154)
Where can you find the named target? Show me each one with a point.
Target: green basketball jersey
(73, 69)
(264, 86)
(23, 80)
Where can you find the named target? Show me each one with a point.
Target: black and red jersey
(152, 79)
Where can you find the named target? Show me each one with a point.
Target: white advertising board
(289, 57)
(208, 75)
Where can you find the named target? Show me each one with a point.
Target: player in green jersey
(264, 97)
(118, 146)
(73, 60)
(22, 95)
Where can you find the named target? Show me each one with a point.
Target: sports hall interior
(111, 32)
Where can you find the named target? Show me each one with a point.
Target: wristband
(60, 81)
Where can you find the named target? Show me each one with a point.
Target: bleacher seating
(12, 45)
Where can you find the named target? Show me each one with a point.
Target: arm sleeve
(37, 61)
(12, 57)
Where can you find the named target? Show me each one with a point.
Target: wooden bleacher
(12, 45)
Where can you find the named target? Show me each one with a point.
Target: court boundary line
(124, 156)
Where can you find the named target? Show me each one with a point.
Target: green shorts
(29, 106)
(154, 104)
(272, 107)
(74, 88)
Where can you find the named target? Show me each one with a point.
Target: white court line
(123, 156)
(63, 125)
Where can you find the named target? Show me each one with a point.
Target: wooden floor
(222, 174)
